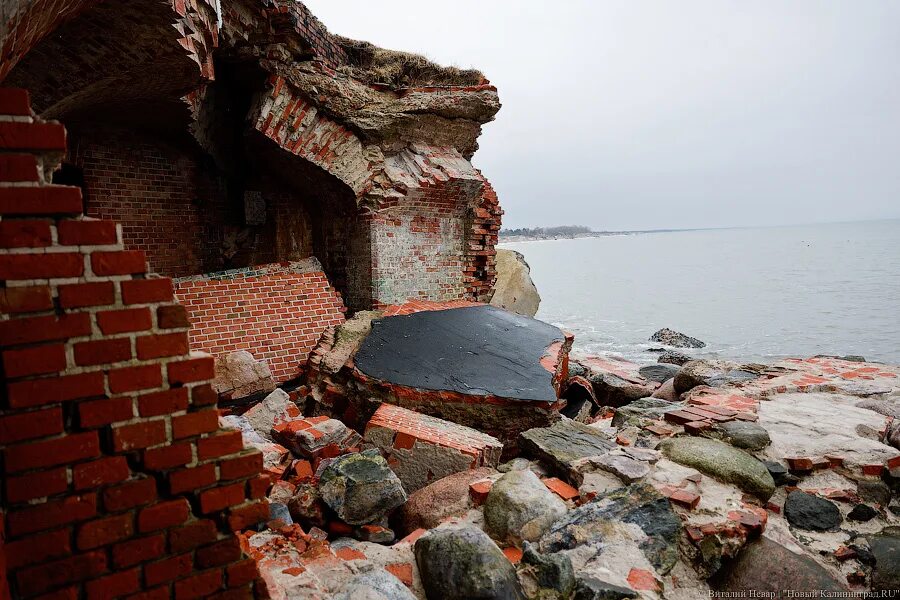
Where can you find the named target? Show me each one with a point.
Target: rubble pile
(751, 476)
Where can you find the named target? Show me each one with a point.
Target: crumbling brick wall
(277, 312)
(116, 477)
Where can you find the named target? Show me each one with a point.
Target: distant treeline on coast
(564, 231)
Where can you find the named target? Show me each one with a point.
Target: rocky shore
(671, 480)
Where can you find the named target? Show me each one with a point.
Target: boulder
(514, 289)
(616, 381)
(645, 409)
(374, 584)
(464, 563)
(766, 566)
(520, 507)
(590, 588)
(675, 339)
(614, 514)
(546, 576)
(721, 461)
(446, 497)
(666, 391)
(563, 443)
(743, 434)
(660, 372)
(712, 373)
(807, 511)
(273, 409)
(674, 357)
(360, 487)
(239, 375)
(885, 548)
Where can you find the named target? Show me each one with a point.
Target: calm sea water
(750, 294)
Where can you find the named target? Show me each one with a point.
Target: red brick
(125, 320)
(105, 471)
(130, 379)
(86, 233)
(25, 299)
(191, 479)
(247, 516)
(36, 485)
(799, 464)
(194, 424)
(35, 392)
(197, 533)
(404, 572)
(259, 486)
(163, 403)
(685, 498)
(22, 233)
(479, 490)
(168, 569)
(42, 200)
(130, 494)
(126, 262)
(172, 317)
(220, 498)
(77, 295)
(113, 586)
(138, 550)
(41, 578)
(96, 413)
(203, 395)
(15, 102)
(218, 554)
(101, 352)
(138, 435)
(198, 586)
(220, 445)
(640, 579)
(51, 514)
(18, 167)
(30, 425)
(21, 135)
(103, 532)
(38, 548)
(163, 515)
(47, 328)
(167, 457)
(241, 573)
(162, 345)
(189, 371)
(39, 360)
(147, 291)
(560, 488)
(41, 266)
(49, 453)
(160, 593)
(243, 466)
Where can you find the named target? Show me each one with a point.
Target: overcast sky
(633, 114)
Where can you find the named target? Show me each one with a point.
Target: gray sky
(639, 114)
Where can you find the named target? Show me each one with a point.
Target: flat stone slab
(476, 350)
(564, 443)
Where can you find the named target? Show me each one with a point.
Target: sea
(752, 294)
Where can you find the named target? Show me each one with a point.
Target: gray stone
(885, 547)
(563, 443)
(674, 357)
(464, 563)
(862, 512)
(553, 573)
(882, 407)
(576, 369)
(778, 471)
(612, 390)
(713, 373)
(721, 461)
(446, 497)
(626, 468)
(744, 434)
(311, 441)
(660, 372)
(306, 506)
(767, 566)
(675, 339)
(638, 504)
(274, 408)
(374, 584)
(239, 375)
(589, 588)
(666, 391)
(645, 409)
(520, 507)
(873, 490)
(807, 511)
(280, 512)
(360, 487)
(514, 289)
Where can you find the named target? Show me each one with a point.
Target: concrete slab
(475, 350)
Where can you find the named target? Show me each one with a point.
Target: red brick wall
(116, 477)
(276, 312)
